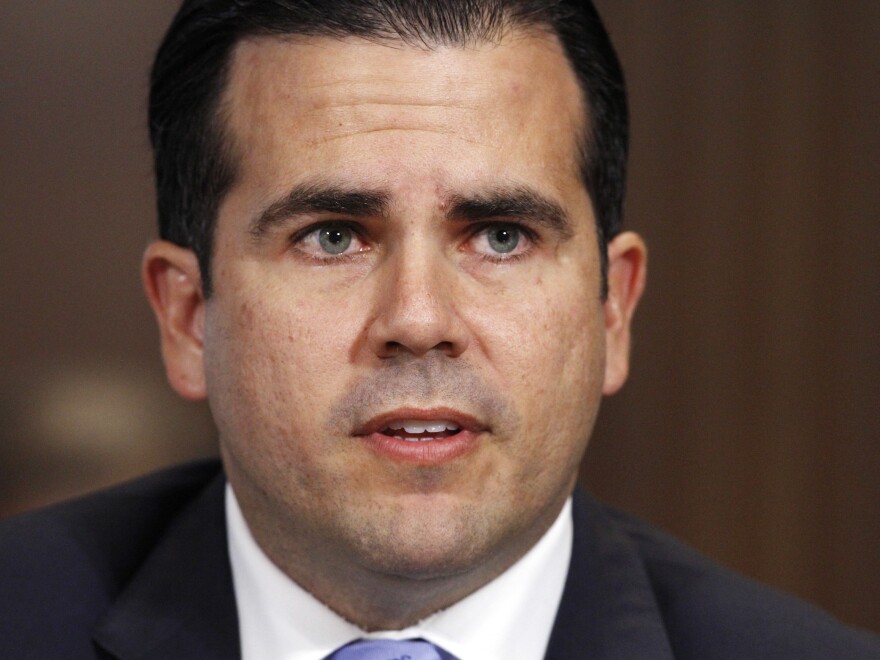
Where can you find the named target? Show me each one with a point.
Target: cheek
(548, 348)
(270, 363)
(544, 337)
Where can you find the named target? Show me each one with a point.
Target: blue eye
(334, 239)
(503, 239)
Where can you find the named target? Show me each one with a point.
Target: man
(392, 261)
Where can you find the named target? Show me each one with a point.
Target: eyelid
(312, 227)
(522, 225)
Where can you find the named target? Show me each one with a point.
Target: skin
(297, 349)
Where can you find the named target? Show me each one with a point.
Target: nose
(416, 307)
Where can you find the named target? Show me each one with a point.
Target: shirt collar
(512, 616)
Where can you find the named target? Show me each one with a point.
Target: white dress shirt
(508, 619)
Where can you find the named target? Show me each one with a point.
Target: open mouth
(412, 430)
(431, 436)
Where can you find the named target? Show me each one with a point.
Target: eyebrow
(318, 198)
(517, 202)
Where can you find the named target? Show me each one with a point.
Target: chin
(427, 542)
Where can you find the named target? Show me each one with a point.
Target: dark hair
(194, 163)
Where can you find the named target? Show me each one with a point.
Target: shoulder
(712, 612)
(61, 566)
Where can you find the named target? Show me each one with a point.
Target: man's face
(406, 345)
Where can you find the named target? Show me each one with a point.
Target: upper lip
(380, 422)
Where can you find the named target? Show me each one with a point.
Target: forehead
(306, 107)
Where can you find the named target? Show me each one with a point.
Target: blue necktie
(390, 649)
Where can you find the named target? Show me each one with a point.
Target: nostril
(395, 348)
(392, 348)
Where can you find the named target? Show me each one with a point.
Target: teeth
(407, 438)
(419, 426)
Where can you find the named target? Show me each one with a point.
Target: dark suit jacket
(142, 571)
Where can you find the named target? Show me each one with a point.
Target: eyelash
(475, 230)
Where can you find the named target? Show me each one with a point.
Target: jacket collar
(608, 609)
(181, 603)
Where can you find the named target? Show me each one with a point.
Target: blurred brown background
(749, 426)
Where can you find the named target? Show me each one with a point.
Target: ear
(627, 266)
(174, 287)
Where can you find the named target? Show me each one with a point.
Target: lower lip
(422, 452)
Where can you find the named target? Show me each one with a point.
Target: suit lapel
(181, 603)
(608, 610)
